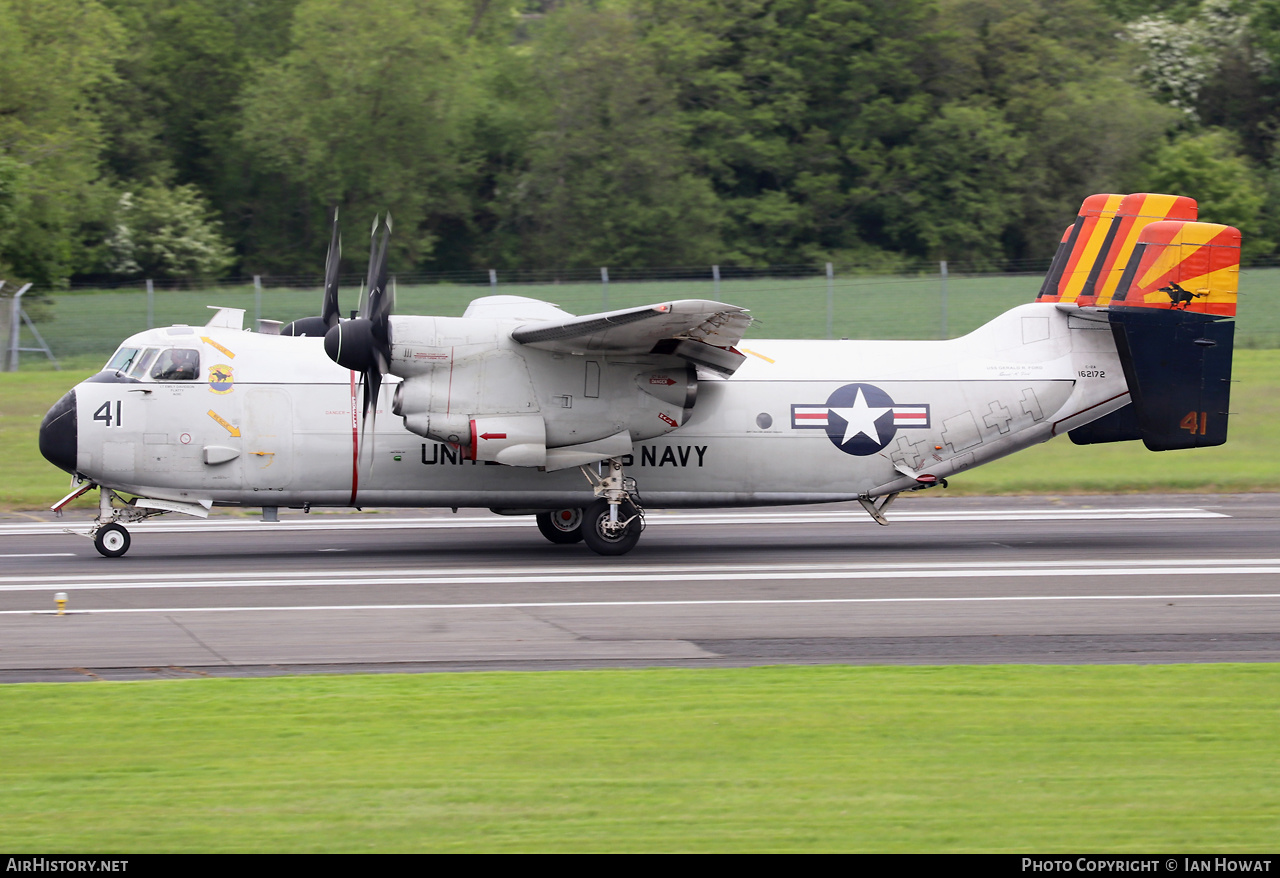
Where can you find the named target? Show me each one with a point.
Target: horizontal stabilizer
(639, 330)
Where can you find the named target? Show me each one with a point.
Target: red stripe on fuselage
(355, 444)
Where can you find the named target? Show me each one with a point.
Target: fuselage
(272, 421)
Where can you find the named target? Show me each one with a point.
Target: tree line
(203, 138)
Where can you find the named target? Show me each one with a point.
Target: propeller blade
(363, 344)
(329, 311)
(371, 278)
(369, 425)
(329, 314)
(377, 308)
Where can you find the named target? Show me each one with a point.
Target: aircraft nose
(58, 433)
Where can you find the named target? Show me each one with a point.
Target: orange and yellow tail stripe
(1135, 213)
(1079, 249)
(1186, 266)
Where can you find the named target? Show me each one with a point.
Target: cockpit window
(122, 360)
(177, 364)
(143, 363)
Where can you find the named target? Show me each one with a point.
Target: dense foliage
(182, 138)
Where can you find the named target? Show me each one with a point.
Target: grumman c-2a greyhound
(522, 408)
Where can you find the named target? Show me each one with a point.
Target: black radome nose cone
(58, 433)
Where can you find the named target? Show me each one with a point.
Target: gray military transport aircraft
(524, 409)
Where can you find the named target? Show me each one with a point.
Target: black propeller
(363, 344)
(318, 326)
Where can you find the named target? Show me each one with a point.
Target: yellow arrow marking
(234, 431)
(211, 343)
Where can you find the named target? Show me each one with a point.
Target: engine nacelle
(455, 429)
(527, 401)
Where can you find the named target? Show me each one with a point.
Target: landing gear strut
(612, 523)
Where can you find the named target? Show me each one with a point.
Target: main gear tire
(600, 539)
(111, 540)
(562, 527)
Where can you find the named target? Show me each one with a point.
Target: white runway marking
(657, 518)
(605, 572)
(727, 602)
(40, 555)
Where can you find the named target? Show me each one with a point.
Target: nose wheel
(111, 540)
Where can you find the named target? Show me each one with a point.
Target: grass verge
(1006, 758)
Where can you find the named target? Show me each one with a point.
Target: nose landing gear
(109, 536)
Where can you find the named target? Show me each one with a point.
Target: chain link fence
(83, 326)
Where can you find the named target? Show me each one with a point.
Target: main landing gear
(610, 524)
(564, 526)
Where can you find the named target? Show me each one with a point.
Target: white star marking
(860, 419)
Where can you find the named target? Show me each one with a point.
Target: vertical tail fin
(1182, 266)
(1079, 249)
(1095, 250)
(1135, 213)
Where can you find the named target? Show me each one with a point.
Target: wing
(640, 330)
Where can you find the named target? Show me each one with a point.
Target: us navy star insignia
(860, 419)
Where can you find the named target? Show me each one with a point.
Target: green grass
(1015, 758)
(94, 322)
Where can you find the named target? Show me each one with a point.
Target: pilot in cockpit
(178, 364)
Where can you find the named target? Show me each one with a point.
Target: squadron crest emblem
(221, 379)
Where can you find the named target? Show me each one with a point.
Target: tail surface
(1096, 248)
(1168, 289)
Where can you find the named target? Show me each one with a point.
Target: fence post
(493, 278)
(604, 279)
(15, 324)
(715, 273)
(151, 304)
(831, 331)
(943, 267)
(257, 299)
(4, 333)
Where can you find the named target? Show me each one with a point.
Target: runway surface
(971, 580)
